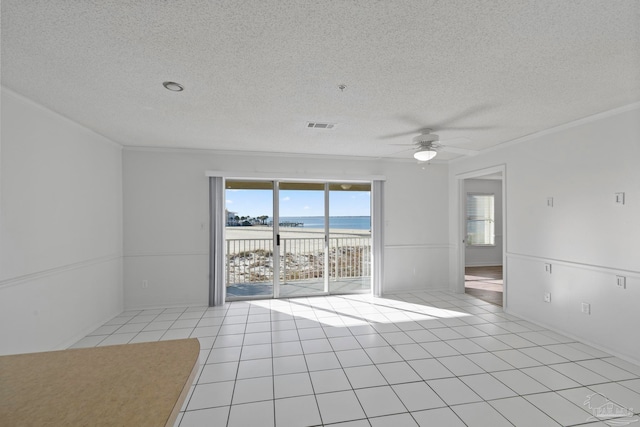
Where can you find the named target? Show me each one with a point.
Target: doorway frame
(461, 228)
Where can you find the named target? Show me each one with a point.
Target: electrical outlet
(550, 202)
(586, 308)
(547, 297)
(145, 284)
(621, 281)
(547, 268)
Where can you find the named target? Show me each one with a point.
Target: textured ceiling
(479, 72)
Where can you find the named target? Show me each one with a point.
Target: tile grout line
(516, 328)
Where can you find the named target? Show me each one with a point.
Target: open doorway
(483, 230)
(484, 283)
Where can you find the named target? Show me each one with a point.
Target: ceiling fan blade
(463, 114)
(467, 128)
(413, 121)
(397, 152)
(406, 145)
(399, 134)
(457, 150)
(454, 141)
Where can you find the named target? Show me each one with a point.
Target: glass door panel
(303, 252)
(286, 239)
(349, 238)
(249, 236)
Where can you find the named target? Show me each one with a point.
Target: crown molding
(559, 128)
(48, 110)
(211, 151)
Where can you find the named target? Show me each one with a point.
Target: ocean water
(337, 222)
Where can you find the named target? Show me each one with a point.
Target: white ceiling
(479, 72)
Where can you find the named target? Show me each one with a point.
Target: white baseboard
(410, 291)
(77, 337)
(572, 336)
(157, 306)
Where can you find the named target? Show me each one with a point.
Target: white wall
(166, 218)
(586, 237)
(60, 228)
(476, 256)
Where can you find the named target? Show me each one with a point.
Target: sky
(255, 203)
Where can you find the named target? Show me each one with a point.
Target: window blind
(480, 219)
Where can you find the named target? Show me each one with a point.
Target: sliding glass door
(286, 238)
(249, 239)
(302, 239)
(349, 237)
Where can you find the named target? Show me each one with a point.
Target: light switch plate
(586, 308)
(620, 198)
(547, 268)
(550, 202)
(621, 281)
(547, 297)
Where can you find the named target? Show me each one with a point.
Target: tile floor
(416, 359)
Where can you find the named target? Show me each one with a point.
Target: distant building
(231, 217)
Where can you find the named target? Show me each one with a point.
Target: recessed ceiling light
(173, 86)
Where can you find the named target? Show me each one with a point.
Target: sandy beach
(266, 232)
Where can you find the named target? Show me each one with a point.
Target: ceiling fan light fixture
(425, 155)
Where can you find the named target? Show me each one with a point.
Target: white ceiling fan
(427, 144)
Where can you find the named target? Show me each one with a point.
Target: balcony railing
(251, 260)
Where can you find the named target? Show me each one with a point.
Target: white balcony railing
(251, 260)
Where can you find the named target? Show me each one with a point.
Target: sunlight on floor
(385, 310)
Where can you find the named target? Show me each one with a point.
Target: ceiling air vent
(319, 125)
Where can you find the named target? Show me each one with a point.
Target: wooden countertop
(122, 385)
